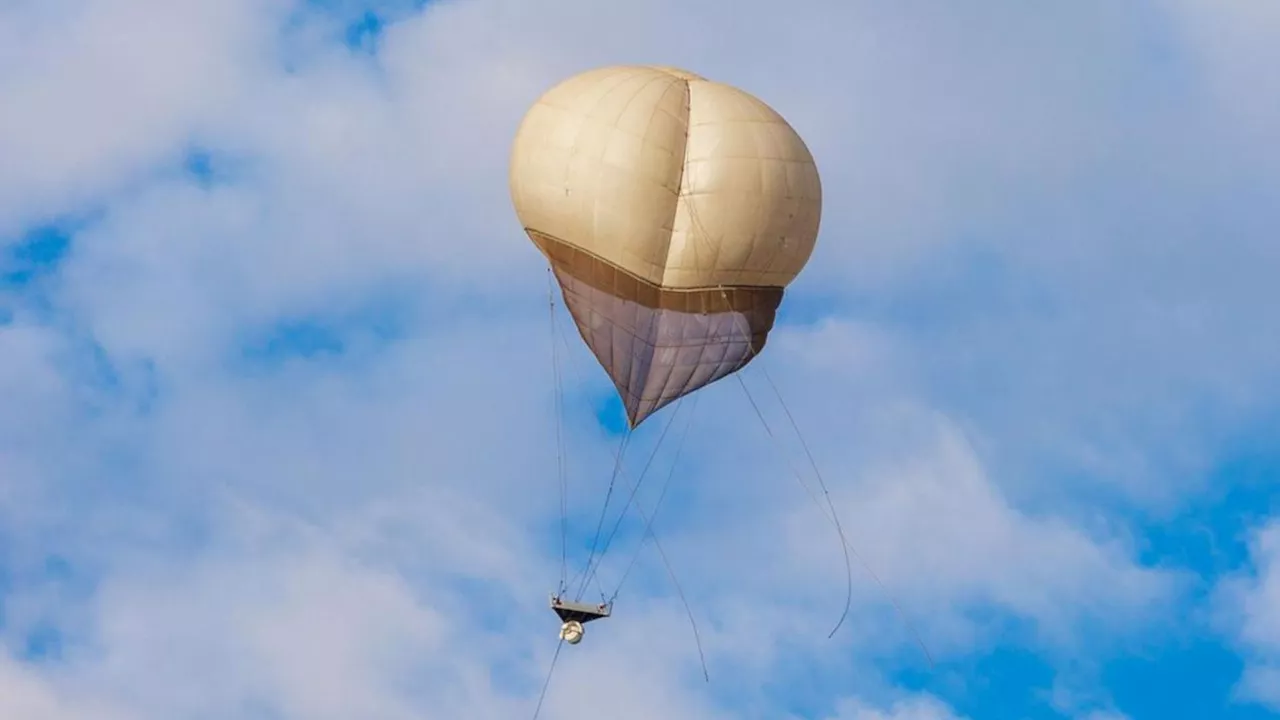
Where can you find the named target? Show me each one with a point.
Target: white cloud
(25, 693)
(1249, 609)
(917, 502)
(920, 707)
(371, 535)
(98, 92)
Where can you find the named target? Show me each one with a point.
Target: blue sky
(276, 435)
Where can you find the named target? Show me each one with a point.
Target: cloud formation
(275, 395)
(1249, 607)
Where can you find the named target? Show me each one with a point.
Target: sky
(277, 409)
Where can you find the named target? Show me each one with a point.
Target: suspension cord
(562, 474)
(635, 487)
(613, 481)
(675, 582)
(666, 485)
(666, 562)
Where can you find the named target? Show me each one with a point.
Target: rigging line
(688, 611)
(795, 427)
(823, 484)
(582, 575)
(666, 485)
(844, 543)
(613, 480)
(562, 474)
(579, 575)
(671, 573)
(542, 696)
(671, 419)
(795, 472)
(834, 517)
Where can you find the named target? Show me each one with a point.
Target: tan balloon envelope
(673, 210)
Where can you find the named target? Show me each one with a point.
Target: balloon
(674, 211)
